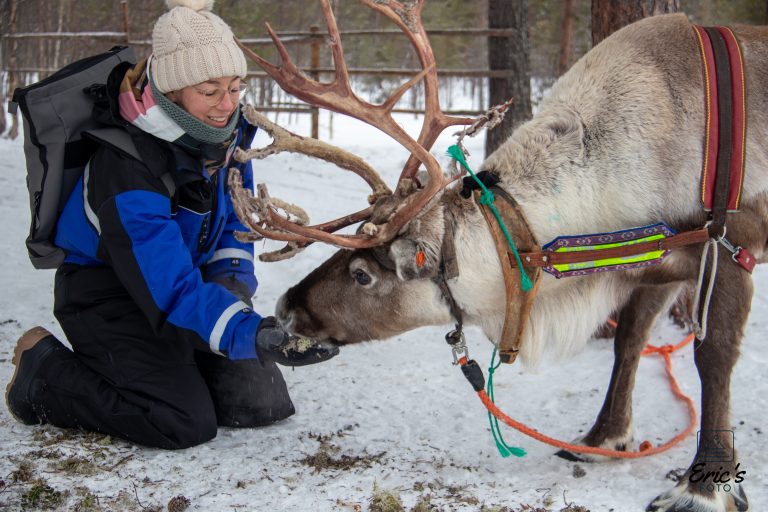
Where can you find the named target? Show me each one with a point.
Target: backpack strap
(115, 138)
(167, 180)
(118, 139)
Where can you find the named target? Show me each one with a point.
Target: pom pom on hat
(195, 5)
(192, 45)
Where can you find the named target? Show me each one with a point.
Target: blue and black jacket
(165, 247)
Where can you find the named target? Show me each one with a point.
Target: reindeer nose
(294, 317)
(281, 311)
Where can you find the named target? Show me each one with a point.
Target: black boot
(34, 346)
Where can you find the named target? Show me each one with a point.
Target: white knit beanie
(190, 45)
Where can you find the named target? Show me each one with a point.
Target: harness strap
(725, 132)
(518, 302)
(449, 266)
(448, 296)
(725, 101)
(547, 258)
(722, 176)
(449, 269)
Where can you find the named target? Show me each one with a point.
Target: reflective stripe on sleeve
(222, 254)
(221, 325)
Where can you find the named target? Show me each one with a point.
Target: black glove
(274, 344)
(489, 179)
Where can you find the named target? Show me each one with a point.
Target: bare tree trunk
(565, 38)
(13, 80)
(610, 15)
(512, 54)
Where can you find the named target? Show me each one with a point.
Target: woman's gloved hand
(274, 344)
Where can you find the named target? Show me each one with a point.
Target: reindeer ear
(567, 132)
(422, 178)
(414, 260)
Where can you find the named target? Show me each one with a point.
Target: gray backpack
(60, 136)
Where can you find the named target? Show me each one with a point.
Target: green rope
(504, 449)
(487, 199)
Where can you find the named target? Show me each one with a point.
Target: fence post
(314, 73)
(124, 5)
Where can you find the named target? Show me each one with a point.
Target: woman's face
(212, 102)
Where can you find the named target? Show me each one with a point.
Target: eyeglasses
(213, 96)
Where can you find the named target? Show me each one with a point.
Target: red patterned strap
(714, 126)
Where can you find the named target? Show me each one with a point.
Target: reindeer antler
(339, 97)
(285, 140)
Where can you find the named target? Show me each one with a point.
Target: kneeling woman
(155, 293)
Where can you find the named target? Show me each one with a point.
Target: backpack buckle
(96, 91)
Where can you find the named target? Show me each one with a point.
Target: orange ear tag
(420, 259)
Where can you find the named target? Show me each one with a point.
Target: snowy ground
(394, 415)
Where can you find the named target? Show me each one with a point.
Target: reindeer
(618, 143)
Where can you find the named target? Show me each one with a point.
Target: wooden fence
(313, 37)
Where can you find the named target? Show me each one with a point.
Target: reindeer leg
(613, 426)
(713, 482)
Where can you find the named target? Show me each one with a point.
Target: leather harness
(721, 187)
(518, 302)
(722, 176)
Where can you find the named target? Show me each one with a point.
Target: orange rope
(646, 448)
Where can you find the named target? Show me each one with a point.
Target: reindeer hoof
(681, 499)
(620, 446)
(573, 457)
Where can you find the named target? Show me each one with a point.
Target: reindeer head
(373, 293)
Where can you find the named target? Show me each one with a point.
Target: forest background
(25, 59)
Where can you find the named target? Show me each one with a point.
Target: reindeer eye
(362, 278)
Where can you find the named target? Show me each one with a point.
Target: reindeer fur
(618, 143)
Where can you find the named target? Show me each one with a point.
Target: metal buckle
(734, 250)
(455, 339)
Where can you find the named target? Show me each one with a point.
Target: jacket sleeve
(233, 260)
(131, 210)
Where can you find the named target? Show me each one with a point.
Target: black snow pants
(125, 380)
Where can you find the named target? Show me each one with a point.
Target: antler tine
(289, 251)
(243, 200)
(341, 75)
(245, 206)
(408, 18)
(389, 104)
(285, 58)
